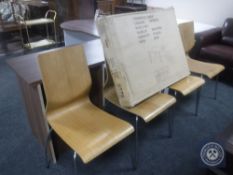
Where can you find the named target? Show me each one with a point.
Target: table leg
(96, 95)
(33, 102)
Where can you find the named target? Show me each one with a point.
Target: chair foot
(135, 162)
(48, 139)
(216, 87)
(170, 125)
(75, 163)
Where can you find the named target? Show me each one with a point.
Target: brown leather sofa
(216, 45)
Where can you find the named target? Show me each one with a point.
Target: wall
(205, 11)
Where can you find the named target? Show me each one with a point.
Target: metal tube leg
(170, 124)
(136, 145)
(48, 139)
(197, 101)
(216, 87)
(75, 163)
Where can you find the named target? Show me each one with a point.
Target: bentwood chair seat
(187, 85)
(209, 70)
(88, 130)
(147, 109)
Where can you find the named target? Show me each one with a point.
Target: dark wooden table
(28, 74)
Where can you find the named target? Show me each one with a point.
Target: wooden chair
(187, 86)
(85, 128)
(209, 70)
(146, 110)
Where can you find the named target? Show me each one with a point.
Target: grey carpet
(21, 154)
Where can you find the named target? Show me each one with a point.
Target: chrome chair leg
(135, 165)
(75, 163)
(216, 87)
(197, 101)
(170, 124)
(48, 139)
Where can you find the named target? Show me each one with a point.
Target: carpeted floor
(21, 154)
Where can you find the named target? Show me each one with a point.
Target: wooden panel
(88, 130)
(69, 64)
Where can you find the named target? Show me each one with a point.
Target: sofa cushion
(218, 53)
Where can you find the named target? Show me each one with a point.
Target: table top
(86, 26)
(26, 66)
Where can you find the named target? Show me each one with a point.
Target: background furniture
(79, 31)
(130, 7)
(70, 10)
(216, 45)
(88, 130)
(209, 70)
(37, 8)
(106, 7)
(27, 71)
(7, 27)
(48, 20)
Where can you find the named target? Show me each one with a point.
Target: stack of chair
(209, 70)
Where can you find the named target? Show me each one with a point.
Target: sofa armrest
(209, 37)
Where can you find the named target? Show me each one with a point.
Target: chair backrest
(187, 35)
(65, 75)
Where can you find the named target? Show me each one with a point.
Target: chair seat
(37, 21)
(187, 85)
(148, 109)
(208, 69)
(88, 130)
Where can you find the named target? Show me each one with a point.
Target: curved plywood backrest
(65, 76)
(187, 35)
